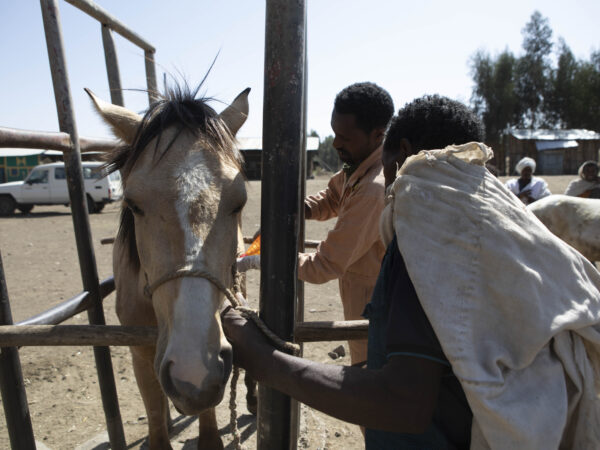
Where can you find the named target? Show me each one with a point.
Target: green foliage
(494, 97)
(527, 91)
(533, 69)
(327, 155)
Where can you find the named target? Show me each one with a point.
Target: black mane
(178, 108)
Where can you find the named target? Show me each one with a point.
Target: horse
(179, 235)
(575, 220)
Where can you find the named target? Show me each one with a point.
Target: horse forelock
(180, 109)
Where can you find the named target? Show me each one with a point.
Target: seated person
(588, 183)
(527, 187)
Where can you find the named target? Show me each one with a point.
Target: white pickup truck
(47, 185)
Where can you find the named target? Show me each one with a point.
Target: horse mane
(180, 108)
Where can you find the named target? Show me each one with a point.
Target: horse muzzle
(193, 397)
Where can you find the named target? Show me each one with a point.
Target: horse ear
(123, 122)
(236, 114)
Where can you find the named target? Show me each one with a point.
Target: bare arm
(400, 397)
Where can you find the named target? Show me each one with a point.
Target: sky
(410, 48)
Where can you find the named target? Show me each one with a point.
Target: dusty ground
(41, 268)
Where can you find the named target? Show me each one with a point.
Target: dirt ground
(41, 268)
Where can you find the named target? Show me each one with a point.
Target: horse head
(179, 229)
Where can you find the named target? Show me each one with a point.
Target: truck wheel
(99, 207)
(91, 206)
(25, 209)
(7, 205)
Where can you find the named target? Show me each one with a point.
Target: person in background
(588, 183)
(352, 250)
(527, 187)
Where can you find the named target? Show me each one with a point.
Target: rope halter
(237, 303)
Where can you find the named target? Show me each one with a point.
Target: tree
(494, 98)
(528, 92)
(533, 70)
(559, 103)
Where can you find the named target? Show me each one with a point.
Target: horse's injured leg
(251, 399)
(155, 401)
(209, 431)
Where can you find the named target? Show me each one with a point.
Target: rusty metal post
(112, 66)
(81, 224)
(14, 398)
(151, 76)
(283, 137)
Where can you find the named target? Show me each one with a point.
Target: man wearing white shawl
(489, 301)
(588, 183)
(527, 187)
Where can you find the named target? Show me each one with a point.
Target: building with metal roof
(251, 149)
(555, 151)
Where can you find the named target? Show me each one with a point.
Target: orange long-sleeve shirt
(352, 250)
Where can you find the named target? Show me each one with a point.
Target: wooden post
(283, 137)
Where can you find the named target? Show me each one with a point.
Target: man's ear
(123, 122)
(406, 150)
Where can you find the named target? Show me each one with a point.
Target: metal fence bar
(283, 136)
(50, 335)
(112, 66)
(76, 335)
(105, 18)
(151, 76)
(14, 397)
(81, 225)
(52, 140)
(67, 309)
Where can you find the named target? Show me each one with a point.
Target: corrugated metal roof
(554, 135)
(19, 152)
(555, 145)
(251, 143)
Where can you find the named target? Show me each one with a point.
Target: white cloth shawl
(515, 309)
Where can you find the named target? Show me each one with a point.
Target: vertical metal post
(151, 76)
(112, 66)
(14, 398)
(283, 136)
(81, 224)
(299, 313)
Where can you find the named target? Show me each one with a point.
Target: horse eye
(133, 208)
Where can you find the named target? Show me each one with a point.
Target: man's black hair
(432, 122)
(371, 105)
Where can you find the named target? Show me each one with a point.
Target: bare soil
(42, 270)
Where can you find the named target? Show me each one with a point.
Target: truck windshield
(38, 176)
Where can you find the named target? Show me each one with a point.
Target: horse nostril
(226, 355)
(165, 378)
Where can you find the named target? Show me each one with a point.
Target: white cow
(573, 219)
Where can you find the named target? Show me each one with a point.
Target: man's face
(526, 173)
(393, 158)
(590, 172)
(352, 143)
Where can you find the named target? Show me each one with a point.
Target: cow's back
(573, 219)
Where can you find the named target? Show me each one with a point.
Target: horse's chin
(199, 403)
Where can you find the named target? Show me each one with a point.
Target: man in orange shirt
(352, 251)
